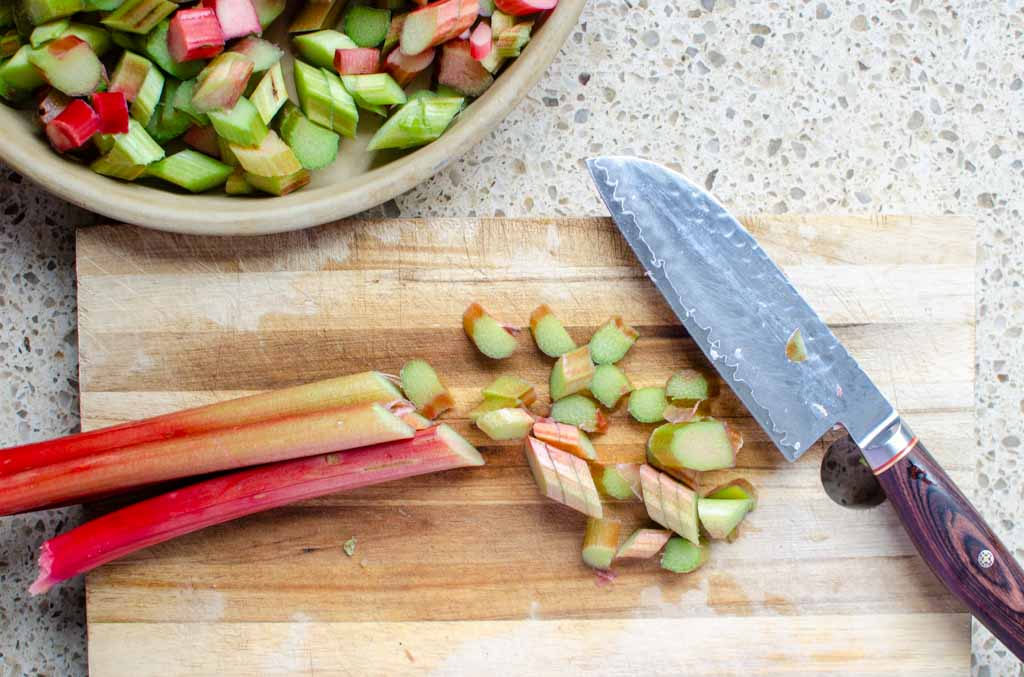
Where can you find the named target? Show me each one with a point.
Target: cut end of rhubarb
(612, 341)
(669, 503)
(459, 446)
(563, 477)
(647, 405)
(620, 481)
(422, 385)
(683, 557)
(565, 437)
(45, 580)
(643, 544)
(687, 385)
(581, 412)
(609, 385)
(737, 489)
(489, 336)
(548, 332)
(720, 516)
(600, 542)
(511, 388)
(505, 424)
(571, 373)
(702, 445)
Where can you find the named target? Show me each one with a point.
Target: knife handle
(950, 535)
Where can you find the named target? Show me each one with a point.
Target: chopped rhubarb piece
(358, 61)
(612, 341)
(460, 71)
(676, 412)
(262, 53)
(609, 384)
(367, 26)
(579, 411)
(512, 388)
(550, 336)
(644, 544)
(316, 15)
(45, 32)
(271, 158)
(203, 139)
(480, 44)
(18, 73)
(191, 170)
(424, 389)
(737, 489)
(112, 107)
(683, 557)
(36, 12)
(314, 146)
(195, 34)
(241, 125)
(319, 48)
(565, 437)
(183, 102)
(688, 385)
(73, 127)
(155, 47)
(246, 492)
(647, 405)
(524, 7)
(69, 64)
(270, 94)
(690, 478)
(237, 18)
(437, 23)
(563, 477)
(571, 373)
(119, 170)
(168, 123)
(600, 542)
(373, 90)
(267, 441)
(363, 388)
(96, 37)
(669, 503)
(141, 83)
(501, 22)
(404, 68)
(222, 82)
(510, 42)
(490, 337)
(278, 185)
(139, 16)
(620, 481)
(268, 10)
(720, 516)
(325, 100)
(136, 147)
(237, 185)
(394, 33)
(705, 444)
(416, 421)
(53, 103)
(491, 404)
(796, 350)
(505, 424)
(418, 122)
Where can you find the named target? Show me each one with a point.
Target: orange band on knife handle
(897, 458)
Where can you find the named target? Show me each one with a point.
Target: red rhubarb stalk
(203, 139)
(195, 34)
(357, 61)
(73, 127)
(362, 388)
(404, 68)
(243, 493)
(480, 43)
(112, 107)
(436, 23)
(524, 7)
(237, 18)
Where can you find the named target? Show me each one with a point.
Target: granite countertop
(807, 106)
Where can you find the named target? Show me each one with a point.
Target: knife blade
(741, 311)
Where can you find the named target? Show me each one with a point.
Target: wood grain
(474, 568)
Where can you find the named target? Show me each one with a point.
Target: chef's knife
(742, 311)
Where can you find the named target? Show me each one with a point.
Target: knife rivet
(986, 559)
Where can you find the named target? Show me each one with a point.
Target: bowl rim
(226, 215)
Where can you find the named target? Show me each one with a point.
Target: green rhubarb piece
(647, 405)
(263, 53)
(501, 22)
(367, 26)
(796, 350)
(600, 542)
(48, 31)
(139, 16)
(394, 34)
(612, 341)
(241, 125)
(374, 89)
(720, 516)
(227, 156)
(183, 102)
(505, 424)
(192, 170)
(324, 99)
(155, 47)
(609, 384)
(149, 94)
(696, 445)
(619, 481)
(278, 185)
(136, 147)
(271, 158)
(345, 115)
(315, 15)
(424, 389)
(688, 385)
(493, 61)
(511, 388)
(118, 170)
(10, 43)
(69, 65)
(237, 185)
(270, 94)
(416, 123)
(142, 84)
(316, 147)
(681, 556)
(737, 490)
(492, 339)
(571, 373)
(168, 123)
(102, 5)
(512, 40)
(19, 73)
(548, 333)
(97, 38)
(268, 10)
(318, 48)
(104, 142)
(492, 404)
(129, 41)
(579, 411)
(38, 12)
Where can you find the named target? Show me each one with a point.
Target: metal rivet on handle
(986, 559)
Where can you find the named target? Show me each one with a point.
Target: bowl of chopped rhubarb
(234, 117)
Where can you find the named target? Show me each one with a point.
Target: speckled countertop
(789, 106)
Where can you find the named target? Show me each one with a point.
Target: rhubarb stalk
(643, 544)
(362, 388)
(563, 477)
(243, 493)
(565, 437)
(600, 542)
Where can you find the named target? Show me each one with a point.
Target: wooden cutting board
(472, 572)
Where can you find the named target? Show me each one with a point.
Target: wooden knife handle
(955, 541)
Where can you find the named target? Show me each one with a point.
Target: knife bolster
(886, 449)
